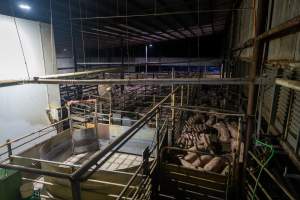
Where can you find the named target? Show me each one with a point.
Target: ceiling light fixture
(24, 6)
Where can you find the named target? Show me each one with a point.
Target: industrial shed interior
(149, 99)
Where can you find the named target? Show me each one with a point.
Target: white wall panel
(23, 107)
(12, 63)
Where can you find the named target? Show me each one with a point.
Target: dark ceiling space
(209, 46)
(106, 24)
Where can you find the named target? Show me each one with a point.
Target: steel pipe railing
(78, 174)
(128, 134)
(206, 112)
(35, 171)
(168, 81)
(283, 188)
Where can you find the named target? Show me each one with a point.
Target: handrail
(118, 146)
(75, 74)
(35, 171)
(125, 136)
(206, 112)
(132, 179)
(147, 81)
(30, 134)
(103, 155)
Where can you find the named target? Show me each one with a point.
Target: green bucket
(36, 195)
(10, 181)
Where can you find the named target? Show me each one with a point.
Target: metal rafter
(196, 22)
(174, 29)
(139, 31)
(91, 23)
(179, 20)
(147, 25)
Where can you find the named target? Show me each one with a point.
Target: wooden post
(259, 23)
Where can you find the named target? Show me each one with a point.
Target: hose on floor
(263, 165)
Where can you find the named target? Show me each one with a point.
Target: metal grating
(268, 93)
(283, 104)
(294, 122)
(294, 119)
(282, 108)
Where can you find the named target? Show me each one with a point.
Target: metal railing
(263, 190)
(84, 171)
(146, 169)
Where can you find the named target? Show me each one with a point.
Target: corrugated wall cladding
(283, 53)
(282, 108)
(292, 136)
(282, 105)
(293, 131)
(284, 10)
(267, 92)
(243, 28)
(287, 47)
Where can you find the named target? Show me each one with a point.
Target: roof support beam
(141, 7)
(155, 81)
(178, 20)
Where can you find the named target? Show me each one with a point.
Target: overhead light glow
(150, 45)
(24, 6)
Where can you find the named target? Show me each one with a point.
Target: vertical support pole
(286, 123)
(70, 118)
(187, 94)
(298, 143)
(259, 119)
(145, 92)
(181, 96)
(70, 123)
(157, 135)
(122, 63)
(74, 53)
(96, 117)
(146, 63)
(124, 104)
(238, 157)
(276, 90)
(9, 150)
(76, 192)
(155, 179)
(172, 109)
(110, 106)
(221, 70)
(259, 23)
(100, 107)
(122, 77)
